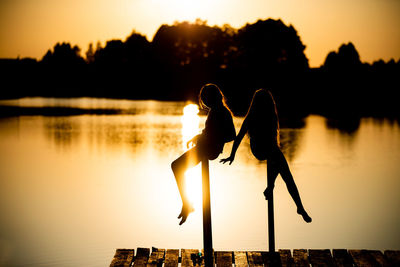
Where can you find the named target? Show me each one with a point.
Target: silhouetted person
(262, 126)
(219, 129)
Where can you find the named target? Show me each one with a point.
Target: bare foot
(268, 192)
(304, 214)
(186, 210)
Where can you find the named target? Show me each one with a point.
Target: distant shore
(12, 111)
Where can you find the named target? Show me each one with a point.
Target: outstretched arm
(236, 143)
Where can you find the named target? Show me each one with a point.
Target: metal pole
(271, 224)
(207, 232)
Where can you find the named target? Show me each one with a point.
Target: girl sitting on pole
(219, 129)
(262, 125)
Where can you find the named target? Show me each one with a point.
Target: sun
(186, 10)
(189, 9)
(190, 123)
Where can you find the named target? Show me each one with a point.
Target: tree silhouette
(63, 55)
(187, 54)
(271, 55)
(270, 46)
(62, 69)
(347, 58)
(183, 56)
(90, 54)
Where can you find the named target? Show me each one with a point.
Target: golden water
(75, 188)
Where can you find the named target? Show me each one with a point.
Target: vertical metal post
(207, 232)
(271, 224)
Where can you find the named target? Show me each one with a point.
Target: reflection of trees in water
(161, 141)
(346, 125)
(392, 122)
(10, 127)
(102, 133)
(138, 133)
(141, 133)
(292, 122)
(343, 132)
(348, 129)
(63, 131)
(290, 135)
(290, 142)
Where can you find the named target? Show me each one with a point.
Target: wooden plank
(123, 258)
(224, 258)
(271, 258)
(156, 257)
(342, 258)
(378, 257)
(392, 257)
(255, 259)
(189, 257)
(300, 257)
(201, 259)
(240, 258)
(362, 258)
(142, 256)
(286, 258)
(171, 258)
(320, 257)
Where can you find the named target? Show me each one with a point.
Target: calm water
(73, 189)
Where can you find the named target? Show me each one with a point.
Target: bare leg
(272, 173)
(187, 160)
(290, 184)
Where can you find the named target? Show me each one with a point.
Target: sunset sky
(28, 28)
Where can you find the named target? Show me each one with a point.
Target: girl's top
(219, 129)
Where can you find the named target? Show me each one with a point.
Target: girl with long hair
(262, 126)
(219, 129)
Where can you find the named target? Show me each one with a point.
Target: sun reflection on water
(190, 127)
(190, 123)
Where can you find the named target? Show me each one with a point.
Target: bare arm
(236, 143)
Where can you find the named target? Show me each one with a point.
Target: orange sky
(28, 28)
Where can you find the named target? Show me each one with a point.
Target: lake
(75, 188)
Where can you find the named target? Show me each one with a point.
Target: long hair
(211, 96)
(263, 113)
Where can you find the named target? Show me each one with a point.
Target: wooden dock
(283, 257)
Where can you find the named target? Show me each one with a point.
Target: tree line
(183, 56)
